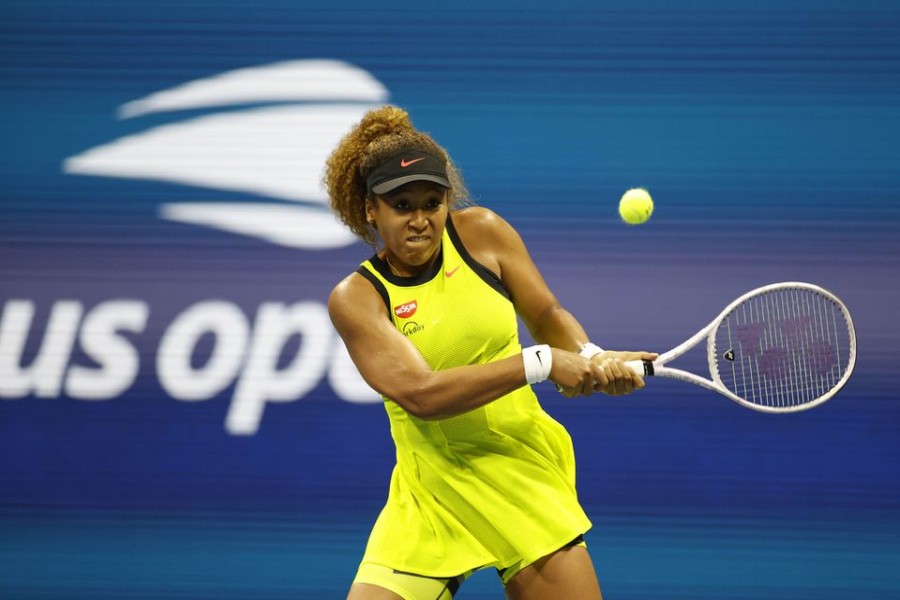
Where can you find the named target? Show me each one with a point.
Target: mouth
(418, 239)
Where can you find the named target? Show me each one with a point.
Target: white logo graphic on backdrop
(276, 151)
(269, 136)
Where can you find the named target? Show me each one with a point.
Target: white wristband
(590, 350)
(538, 361)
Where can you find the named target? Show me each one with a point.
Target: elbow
(424, 414)
(418, 400)
(416, 406)
(403, 387)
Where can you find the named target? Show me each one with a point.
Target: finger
(637, 381)
(563, 391)
(587, 384)
(600, 378)
(628, 376)
(567, 391)
(619, 379)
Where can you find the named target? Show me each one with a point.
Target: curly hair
(382, 133)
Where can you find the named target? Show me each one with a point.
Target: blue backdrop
(178, 419)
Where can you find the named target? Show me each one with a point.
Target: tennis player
(484, 477)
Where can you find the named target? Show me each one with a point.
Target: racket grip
(644, 368)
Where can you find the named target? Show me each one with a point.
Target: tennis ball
(636, 206)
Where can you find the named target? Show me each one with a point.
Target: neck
(409, 271)
(391, 266)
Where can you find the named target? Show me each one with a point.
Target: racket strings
(783, 348)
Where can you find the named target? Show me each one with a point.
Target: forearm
(558, 328)
(447, 393)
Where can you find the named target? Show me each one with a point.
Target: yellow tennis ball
(636, 206)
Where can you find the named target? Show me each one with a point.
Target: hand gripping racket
(780, 348)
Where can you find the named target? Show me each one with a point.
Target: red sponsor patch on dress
(406, 310)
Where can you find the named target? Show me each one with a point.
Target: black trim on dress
(486, 275)
(384, 270)
(379, 287)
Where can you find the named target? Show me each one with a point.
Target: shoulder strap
(377, 284)
(488, 276)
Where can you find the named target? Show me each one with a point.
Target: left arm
(497, 245)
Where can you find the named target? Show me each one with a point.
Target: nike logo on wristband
(538, 354)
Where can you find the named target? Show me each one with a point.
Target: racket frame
(658, 368)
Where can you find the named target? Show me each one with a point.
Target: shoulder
(480, 227)
(477, 219)
(488, 238)
(354, 295)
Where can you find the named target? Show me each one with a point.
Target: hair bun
(386, 120)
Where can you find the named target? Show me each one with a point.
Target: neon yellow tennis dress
(494, 486)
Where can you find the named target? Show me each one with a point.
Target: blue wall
(144, 455)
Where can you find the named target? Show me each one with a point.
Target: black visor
(408, 166)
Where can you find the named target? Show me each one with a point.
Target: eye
(401, 205)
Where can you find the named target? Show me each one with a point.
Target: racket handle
(644, 368)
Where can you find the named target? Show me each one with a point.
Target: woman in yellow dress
(484, 477)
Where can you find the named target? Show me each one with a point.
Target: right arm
(393, 367)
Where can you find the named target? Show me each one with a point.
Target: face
(410, 221)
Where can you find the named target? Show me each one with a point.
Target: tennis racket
(780, 348)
